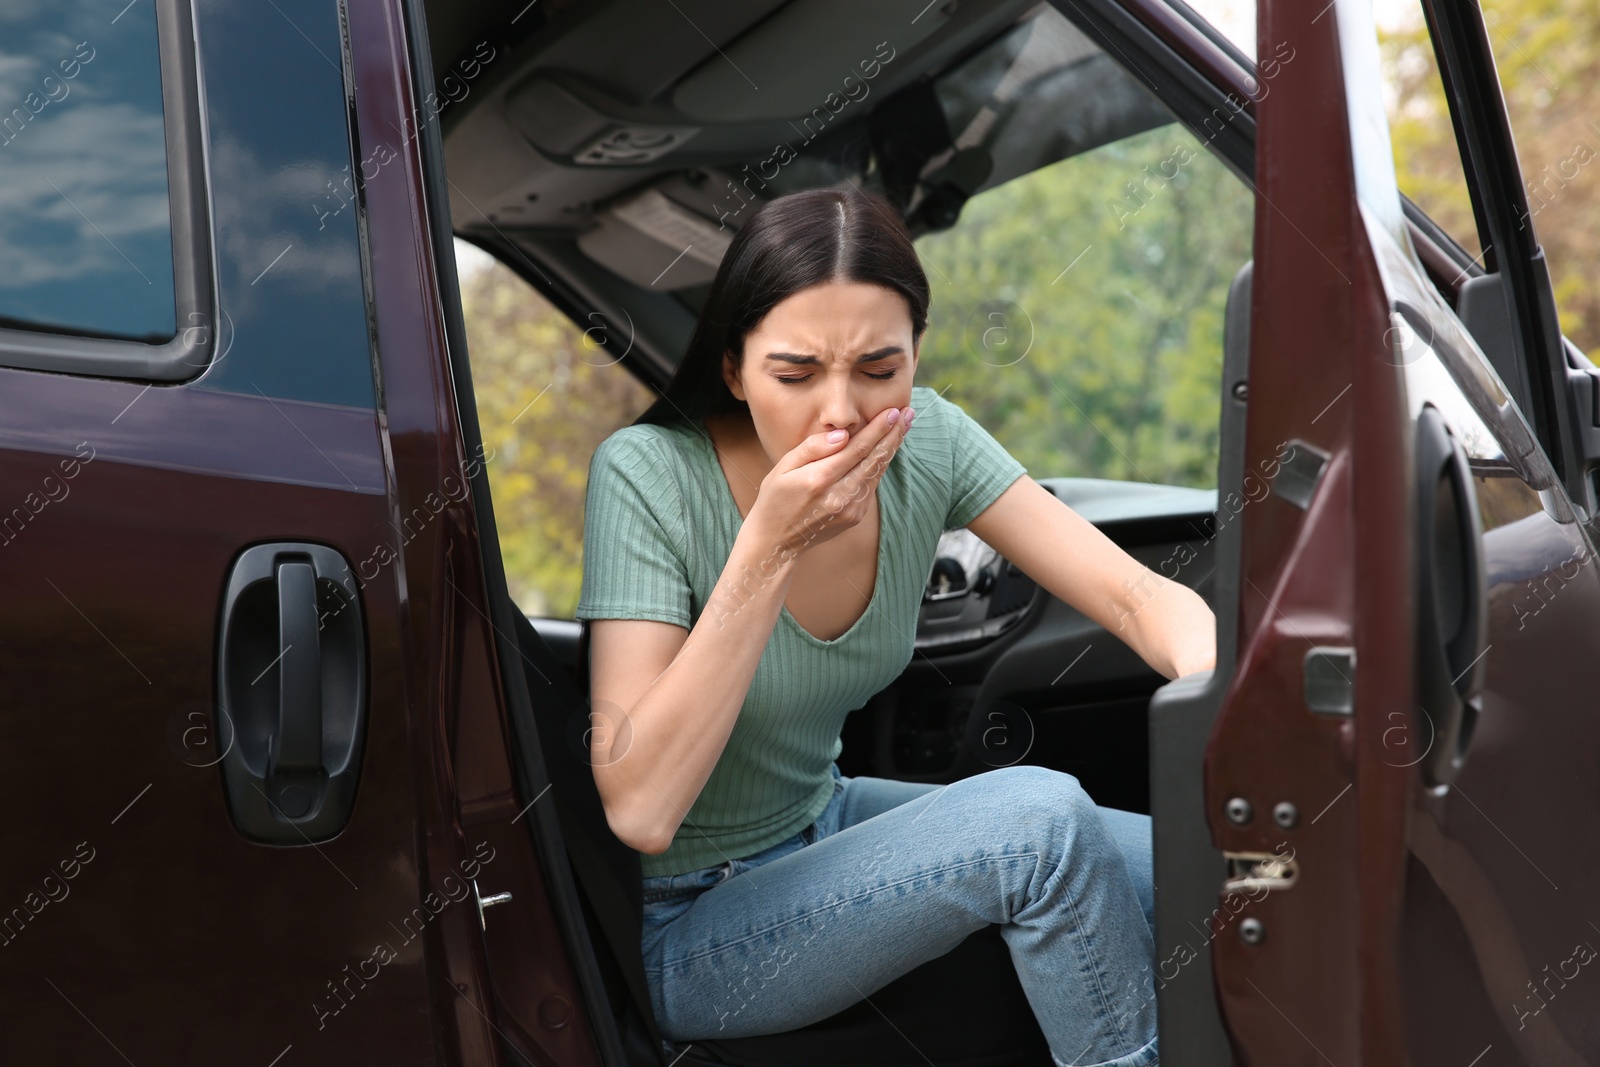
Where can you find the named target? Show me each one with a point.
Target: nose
(839, 408)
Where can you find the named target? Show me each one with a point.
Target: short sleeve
(633, 522)
(981, 468)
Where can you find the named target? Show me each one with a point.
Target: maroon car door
(253, 735)
(1404, 769)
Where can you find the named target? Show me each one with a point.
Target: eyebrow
(790, 357)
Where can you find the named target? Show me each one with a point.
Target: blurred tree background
(547, 396)
(1548, 56)
(1077, 311)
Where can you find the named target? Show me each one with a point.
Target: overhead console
(561, 137)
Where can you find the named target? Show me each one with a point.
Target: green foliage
(547, 397)
(1077, 310)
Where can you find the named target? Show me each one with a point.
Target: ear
(731, 377)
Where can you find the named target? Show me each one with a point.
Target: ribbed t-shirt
(660, 522)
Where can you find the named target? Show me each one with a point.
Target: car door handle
(292, 692)
(294, 749)
(1452, 620)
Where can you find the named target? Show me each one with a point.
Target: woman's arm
(1166, 623)
(664, 699)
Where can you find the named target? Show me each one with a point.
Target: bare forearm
(659, 753)
(1174, 631)
(1166, 623)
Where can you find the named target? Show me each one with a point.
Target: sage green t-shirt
(659, 526)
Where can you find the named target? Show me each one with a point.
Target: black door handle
(291, 692)
(294, 751)
(1452, 595)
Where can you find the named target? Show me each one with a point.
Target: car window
(1549, 69)
(1547, 53)
(1077, 310)
(293, 320)
(85, 229)
(1427, 159)
(547, 394)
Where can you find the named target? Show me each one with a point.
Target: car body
(1369, 819)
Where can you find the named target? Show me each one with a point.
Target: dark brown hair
(789, 244)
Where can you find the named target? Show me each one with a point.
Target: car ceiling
(698, 83)
(604, 146)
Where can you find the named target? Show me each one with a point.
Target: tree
(547, 395)
(1547, 53)
(1077, 310)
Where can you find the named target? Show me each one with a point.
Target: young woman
(755, 550)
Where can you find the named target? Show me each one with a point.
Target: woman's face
(826, 358)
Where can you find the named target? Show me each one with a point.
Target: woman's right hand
(821, 488)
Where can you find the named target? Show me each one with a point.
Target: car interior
(599, 214)
(606, 152)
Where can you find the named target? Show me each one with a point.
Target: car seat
(967, 1007)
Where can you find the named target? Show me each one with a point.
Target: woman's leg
(1132, 834)
(800, 937)
(866, 797)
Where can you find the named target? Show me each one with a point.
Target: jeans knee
(1049, 791)
(1060, 813)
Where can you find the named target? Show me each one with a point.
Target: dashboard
(974, 595)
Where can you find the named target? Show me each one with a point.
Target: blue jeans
(893, 874)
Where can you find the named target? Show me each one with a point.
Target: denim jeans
(893, 874)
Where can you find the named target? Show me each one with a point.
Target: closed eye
(805, 378)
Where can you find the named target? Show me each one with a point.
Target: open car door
(1407, 741)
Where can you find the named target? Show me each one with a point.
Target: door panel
(1490, 919)
(1421, 739)
(1278, 774)
(482, 784)
(141, 925)
(1485, 918)
(177, 939)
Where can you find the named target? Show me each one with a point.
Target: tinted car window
(293, 316)
(85, 228)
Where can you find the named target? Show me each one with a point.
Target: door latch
(1252, 871)
(487, 902)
